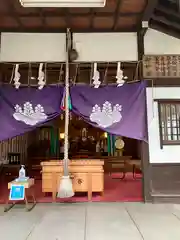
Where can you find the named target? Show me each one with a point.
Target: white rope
(66, 187)
(66, 132)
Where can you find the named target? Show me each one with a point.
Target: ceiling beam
(63, 30)
(12, 12)
(167, 17)
(117, 14)
(168, 11)
(167, 22)
(159, 26)
(149, 9)
(41, 15)
(64, 13)
(67, 18)
(92, 18)
(146, 15)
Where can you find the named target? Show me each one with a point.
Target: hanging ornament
(64, 102)
(70, 116)
(17, 76)
(41, 76)
(96, 77)
(62, 117)
(120, 76)
(84, 134)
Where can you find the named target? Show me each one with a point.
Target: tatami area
(92, 221)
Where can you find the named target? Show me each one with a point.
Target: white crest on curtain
(41, 77)
(17, 77)
(96, 77)
(106, 116)
(29, 115)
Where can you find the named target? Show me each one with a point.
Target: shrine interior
(122, 177)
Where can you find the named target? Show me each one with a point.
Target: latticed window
(169, 121)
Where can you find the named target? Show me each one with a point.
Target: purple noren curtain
(24, 109)
(117, 110)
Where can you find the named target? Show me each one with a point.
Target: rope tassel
(63, 103)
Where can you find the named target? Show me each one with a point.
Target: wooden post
(54, 186)
(144, 145)
(89, 186)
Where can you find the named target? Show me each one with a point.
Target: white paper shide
(29, 115)
(106, 116)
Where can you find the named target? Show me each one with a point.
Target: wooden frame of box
(87, 176)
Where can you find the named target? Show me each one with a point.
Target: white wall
(32, 47)
(156, 42)
(169, 154)
(159, 43)
(106, 47)
(41, 47)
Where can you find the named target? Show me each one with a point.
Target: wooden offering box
(87, 176)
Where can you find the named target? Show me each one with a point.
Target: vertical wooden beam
(140, 47)
(92, 19)
(1, 65)
(12, 12)
(116, 14)
(43, 19)
(144, 145)
(148, 12)
(68, 18)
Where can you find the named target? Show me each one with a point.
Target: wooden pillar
(144, 145)
(2, 76)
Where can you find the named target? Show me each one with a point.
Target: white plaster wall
(103, 47)
(32, 47)
(106, 47)
(38, 47)
(156, 42)
(169, 154)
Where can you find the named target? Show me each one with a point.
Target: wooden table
(118, 164)
(136, 164)
(87, 176)
(29, 186)
(124, 165)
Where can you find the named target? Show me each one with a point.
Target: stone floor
(92, 221)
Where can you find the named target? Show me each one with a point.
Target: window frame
(165, 142)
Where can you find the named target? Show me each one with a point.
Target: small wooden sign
(161, 66)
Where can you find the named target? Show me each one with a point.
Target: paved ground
(92, 221)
